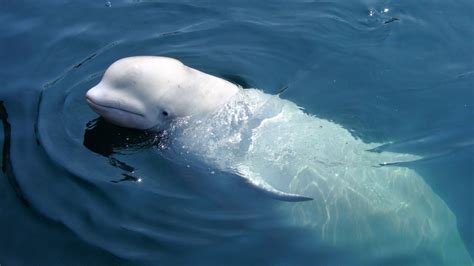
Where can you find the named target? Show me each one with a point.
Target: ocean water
(75, 190)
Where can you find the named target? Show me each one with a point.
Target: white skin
(146, 92)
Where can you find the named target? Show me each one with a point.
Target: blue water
(394, 72)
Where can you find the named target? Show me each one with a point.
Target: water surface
(77, 190)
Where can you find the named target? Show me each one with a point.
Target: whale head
(147, 92)
(129, 93)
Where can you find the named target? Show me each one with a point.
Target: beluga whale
(350, 194)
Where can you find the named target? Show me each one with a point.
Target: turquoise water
(394, 72)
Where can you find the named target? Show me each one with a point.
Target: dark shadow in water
(236, 79)
(6, 160)
(107, 139)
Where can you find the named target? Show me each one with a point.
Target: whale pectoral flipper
(277, 194)
(258, 183)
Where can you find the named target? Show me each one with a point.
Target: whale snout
(100, 99)
(117, 108)
(97, 100)
(91, 95)
(95, 96)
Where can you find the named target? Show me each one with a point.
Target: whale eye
(165, 113)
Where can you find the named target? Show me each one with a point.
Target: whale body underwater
(348, 194)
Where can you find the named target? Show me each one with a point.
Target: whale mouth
(101, 108)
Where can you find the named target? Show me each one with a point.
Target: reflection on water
(106, 139)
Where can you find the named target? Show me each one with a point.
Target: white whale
(358, 203)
